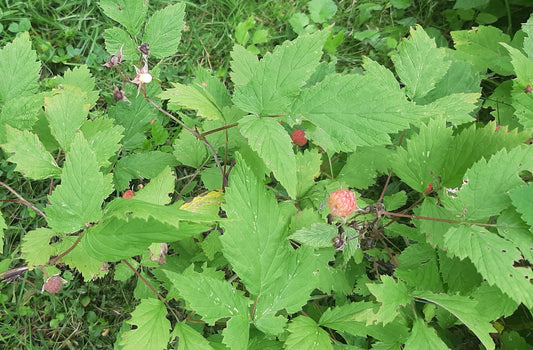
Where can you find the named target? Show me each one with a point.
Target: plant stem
(23, 201)
(57, 258)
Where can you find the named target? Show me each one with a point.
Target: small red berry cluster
(298, 137)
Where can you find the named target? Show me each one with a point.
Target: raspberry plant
(441, 248)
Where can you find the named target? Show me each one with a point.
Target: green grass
(68, 33)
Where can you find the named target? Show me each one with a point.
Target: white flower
(142, 77)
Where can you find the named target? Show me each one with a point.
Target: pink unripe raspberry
(298, 137)
(128, 194)
(342, 203)
(53, 284)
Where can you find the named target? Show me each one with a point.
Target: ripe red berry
(342, 203)
(53, 284)
(298, 137)
(128, 194)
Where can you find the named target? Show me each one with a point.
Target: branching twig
(23, 201)
(57, 258)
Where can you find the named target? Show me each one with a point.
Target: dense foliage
(197, 190)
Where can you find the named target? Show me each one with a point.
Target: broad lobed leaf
(279, 76)
(129, 13)
(494, 258)
(20, 61)
(420, 64)
(78, 199)
(153, 328)
(273, 144)
(163, 30)
(30, 155)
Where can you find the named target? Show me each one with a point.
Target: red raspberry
(298, 137)
(128, 194)
(342, 203)
(53, 284)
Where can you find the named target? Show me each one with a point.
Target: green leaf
(521, 198)
(356, 110)
(501, 104)
(32, 159)
(392, 295)
(395, 201)
(500, 174)
(465, 310)
(129, 13)
(420, 64)
(170, 214)
(118, 40)
(153, 328)
(461, 276)
(423, 161)
(474, 242)
(528, 41)
(522, 101)
(141, 165)
(163, 30)
(20, 61)
(189, 150)
(242, 34)
(271, 141)
(243, 65)
(351, 317)
(214, 299)
(159, 189)
(66, 110)
(457, 108)
(376, 161)
(481, 46)
(189, 339)
(433, 230)
(279, 76)
(36, 249)
(193, 97)
(319, 235)
(206, 94)
(77, 201)
(117, 239)
(159, 134)
(280, 277)
(235, 334)
(79, 258)
(81, 77)
(135, 117)
(131, 225)
(321, 10)
(460, 79)
(260, 36)
(20, 113)
(103, 137)
(307, 169)
(472, 144)
(485, 295)
(298, 22)
(418, 267)
(424, 337)
(513, 228)
(469, 4)
(305, 334)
